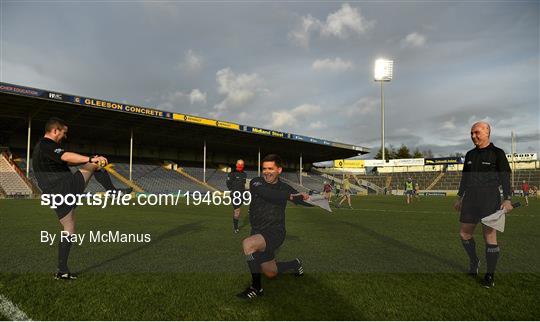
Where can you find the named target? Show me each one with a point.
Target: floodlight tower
(383, 73)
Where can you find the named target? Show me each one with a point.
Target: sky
(304, 67)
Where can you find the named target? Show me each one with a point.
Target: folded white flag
(319, 201)
(497, 219)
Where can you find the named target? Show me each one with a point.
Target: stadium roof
(93, 119)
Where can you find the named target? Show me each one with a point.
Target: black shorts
(273, 238)
(71, 185)
(479, 203)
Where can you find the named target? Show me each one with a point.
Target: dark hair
(273, 158)
(54, 123)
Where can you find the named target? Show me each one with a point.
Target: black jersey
(236, 181)
(485, 168)
(268, 202)
(47, 164)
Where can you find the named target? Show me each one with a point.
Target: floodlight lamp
(383, 70)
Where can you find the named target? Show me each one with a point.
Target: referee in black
(50, 163)
(485, 169)
(236, 183)
(269, 196)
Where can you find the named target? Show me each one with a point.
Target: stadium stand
(378, 180)
(217, 179)
(154, 177)
(424, 179)
(12, 182)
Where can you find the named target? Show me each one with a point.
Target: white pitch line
(11, 311)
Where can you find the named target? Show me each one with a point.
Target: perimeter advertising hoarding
(205, 121)
(348, 163)
(449, 160)
(132, 109)
(519, 157)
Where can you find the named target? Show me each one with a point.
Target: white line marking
(11, 311)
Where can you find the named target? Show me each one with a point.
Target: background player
(236, 183)
(485, 169)
(346, 192)
(269, 197)
(327, 189)
(409, 190)
(525, 189)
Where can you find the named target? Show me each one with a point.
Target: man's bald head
(484, 125)
(480, 132)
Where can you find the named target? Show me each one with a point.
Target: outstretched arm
(73, 158)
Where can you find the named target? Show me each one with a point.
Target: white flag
(496, 220)
(319, 201)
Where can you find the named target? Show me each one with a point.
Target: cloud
(317, 125)
(301, 35)
(450, 124)
(193, 62)
(413, 40)
(238, 89)
(196, 96)
(344, 23)
(294, 117)
(362, 107)
(172, 101)
(334, 65)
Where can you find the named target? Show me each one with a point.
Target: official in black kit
(269, 196)
(236, 183)
(50, 163)
(486, 168)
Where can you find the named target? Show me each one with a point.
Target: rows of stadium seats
(313, 181)
(154, 178)
(531, 176)
(217, 179)
(11, 182)
(424, 179)
(378, 180)
(449, 181)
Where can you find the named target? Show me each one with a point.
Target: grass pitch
(383, 260)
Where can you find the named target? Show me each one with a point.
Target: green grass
(383, 260)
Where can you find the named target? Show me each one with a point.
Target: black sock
(235, 223)
(492, 256)
(255, 269)
(470, 248)
(282, 267)
(104, 179)
(63, 253)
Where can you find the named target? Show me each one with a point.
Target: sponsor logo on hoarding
(123, 107)
(522, 156)
(55, 96)
(20, 90)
